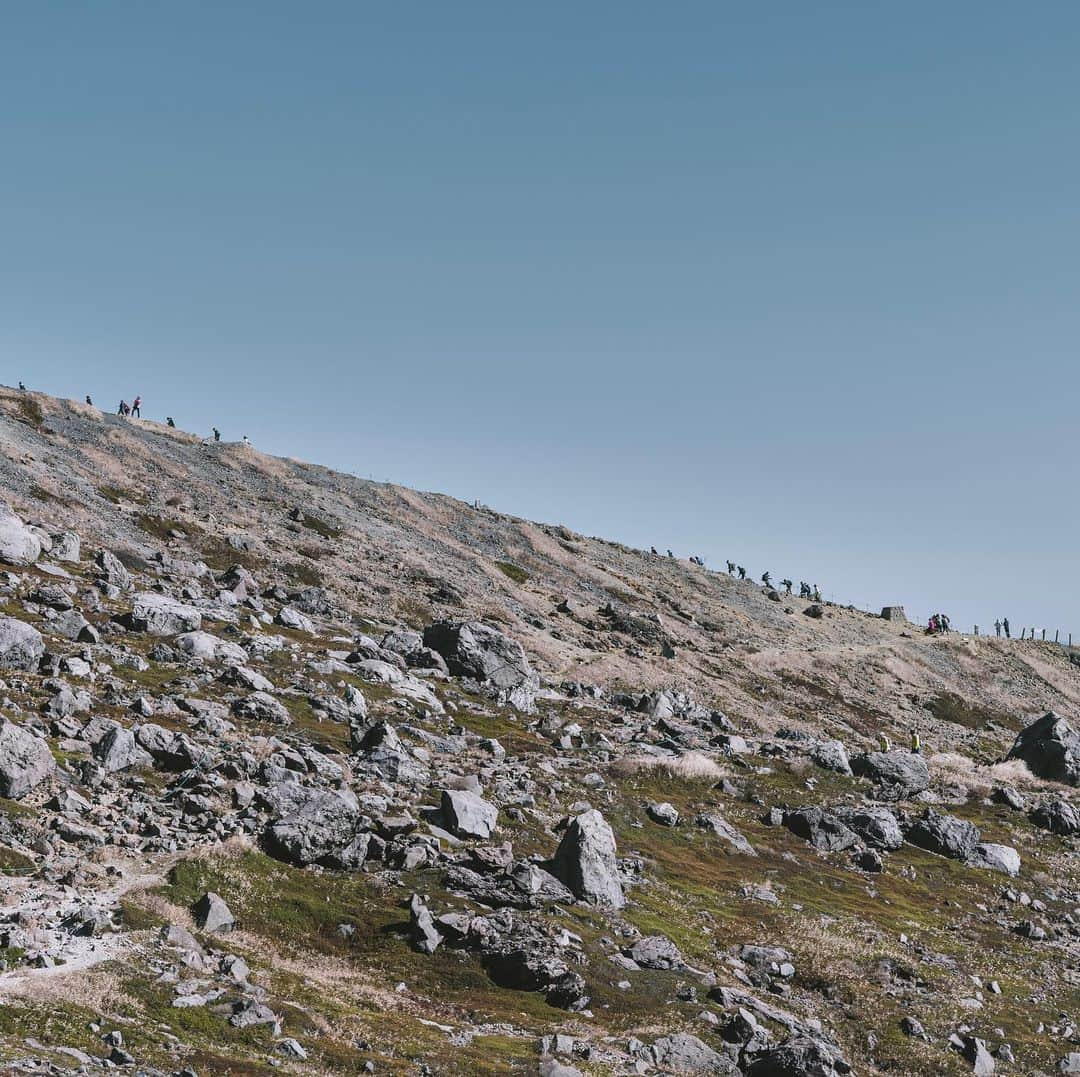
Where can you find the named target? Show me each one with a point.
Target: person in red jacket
(136, 407)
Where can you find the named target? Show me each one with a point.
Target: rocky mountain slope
(307, 774)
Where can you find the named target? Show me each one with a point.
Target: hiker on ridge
(1005, 625)
(136, 407)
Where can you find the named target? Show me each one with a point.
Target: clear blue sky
(792, 283)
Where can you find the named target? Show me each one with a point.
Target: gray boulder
(1058, 816)
(67, 547)
(685, 1054)
(655, 952)
(898, 775)
(159, 615)
(25, 761)
(110, 570)
(467, 815)
(210, 648)
(1051, 749)
(736, 840)
(18, 544)
(292, 618)
(820, 828)
(831, 755)
(424, 935)
(585, 861)
(1003, 858)
(262, 707)
(800, 1056)
(21, 645)
(312, 825)
(482, 653)
(72, 625)
(944, 834)
(876, 826)
(117, 750)
(213, 915)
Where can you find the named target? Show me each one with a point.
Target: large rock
(685, 1054)
(21, 645)
(482, 653)
(159, 615)
(898, 775)
(110, 570)
(876, 825)
(211, 649)
(213, 915)
(820, 828)
(25, 761)
(18, 544)
(117, 749)
(585, 861)
(945, 835)
(735, 839)
(67, 547)
(1058, 816)
(1051, 749)
(996, 857)
(467, 815)
(314, 826)
(800, 1056)
(831, 755)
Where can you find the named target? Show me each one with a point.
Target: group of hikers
(1003, 623)
(938, 625)
(813, 593)
(134, 411)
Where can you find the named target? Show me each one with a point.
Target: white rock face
(18, 544)
(159, 615)
(210, 648)
(25, 760)
(21, 645)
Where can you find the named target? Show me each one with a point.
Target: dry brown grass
(691, 767)
(952, 768)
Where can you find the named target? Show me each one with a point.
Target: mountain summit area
(306, 774)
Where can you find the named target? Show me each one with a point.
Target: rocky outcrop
(25, 761)
(897, 775)
(944, 834)
(484, 654)
(159, 615)
(1051, 749)
(18, 544)
(316, 826)
(820, 828)
(21, 645)
(585, 861)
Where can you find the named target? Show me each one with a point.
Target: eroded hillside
(311, 774)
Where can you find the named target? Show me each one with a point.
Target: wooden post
(1056, 630)
(1044, 635)
(976, 630)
